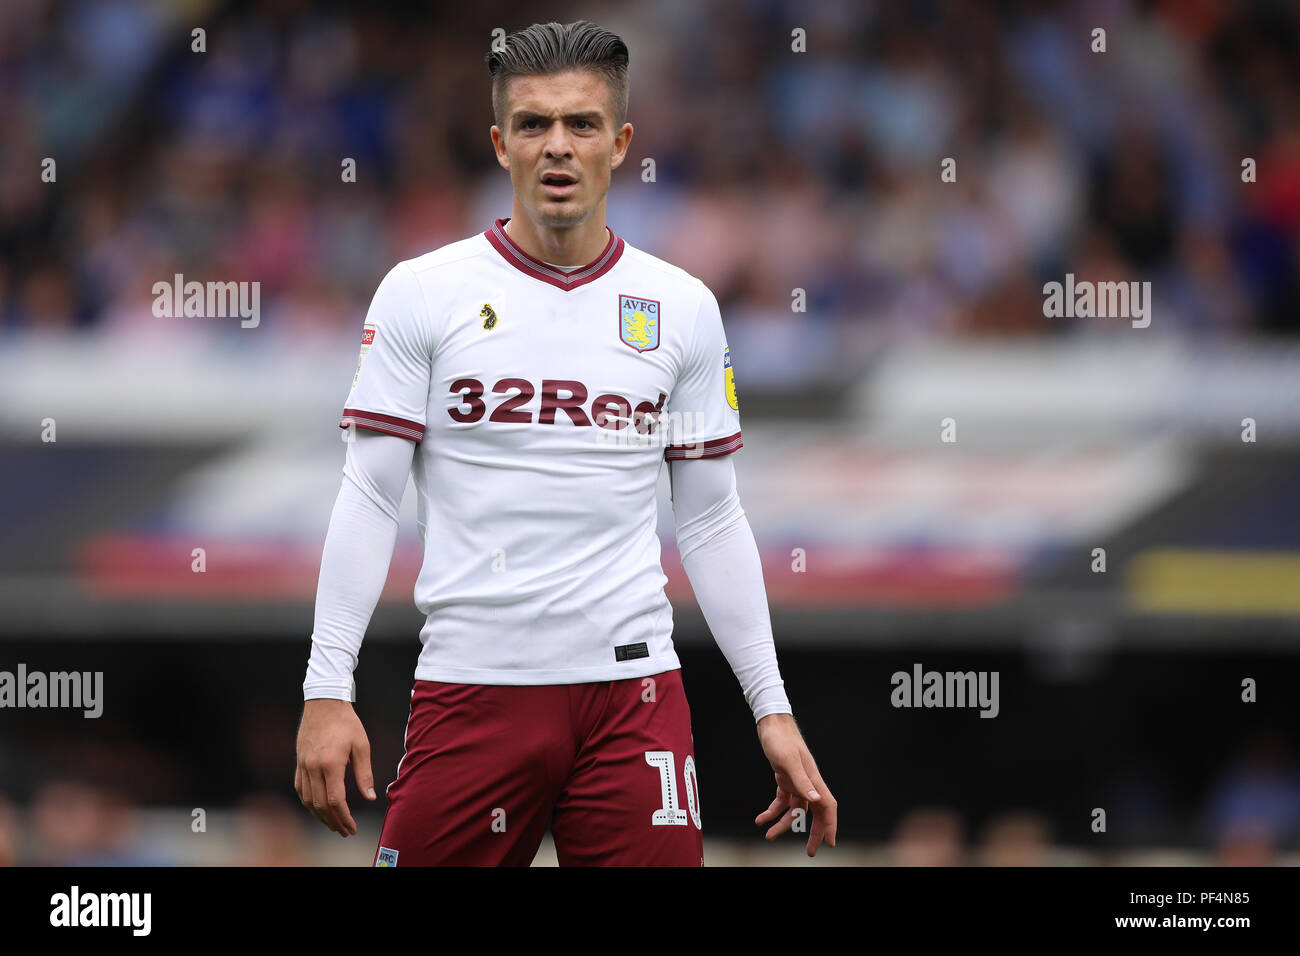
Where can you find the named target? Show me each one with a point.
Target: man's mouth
(559, 184)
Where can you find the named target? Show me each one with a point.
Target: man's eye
(584, 122)
(527, 123)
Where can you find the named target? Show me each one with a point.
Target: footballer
(532, 379)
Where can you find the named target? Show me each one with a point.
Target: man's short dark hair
(546, 48)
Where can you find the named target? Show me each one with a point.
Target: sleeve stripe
(387, 424)
(708, 449)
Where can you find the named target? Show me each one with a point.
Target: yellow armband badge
(730, 380)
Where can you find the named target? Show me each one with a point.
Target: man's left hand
(799, 786)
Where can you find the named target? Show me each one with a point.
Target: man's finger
(803, 784)
(361, 769)
(302, 780)
(776, 829)
(314, 783)
(827, 809)
(336, 796)
(320, 800)
(309, 796)
(817, 830)
(787, 821)
(774, 810)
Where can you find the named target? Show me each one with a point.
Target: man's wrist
(773, 721)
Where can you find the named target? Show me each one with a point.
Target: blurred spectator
(1254, 809)
(78, 824)
(1016, 839)
(1246, 845)
(8, 832)
(928, 837)
(272, 831)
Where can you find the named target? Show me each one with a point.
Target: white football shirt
(543, 402)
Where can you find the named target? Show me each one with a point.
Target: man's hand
(798, 784)
(330, 736)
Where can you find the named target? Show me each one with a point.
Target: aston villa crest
(638, 322)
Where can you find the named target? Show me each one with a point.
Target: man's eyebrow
(591, 116)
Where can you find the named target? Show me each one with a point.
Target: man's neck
(565, 247)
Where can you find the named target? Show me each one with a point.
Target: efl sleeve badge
(730, 381)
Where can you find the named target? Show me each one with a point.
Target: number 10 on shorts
(670, 814)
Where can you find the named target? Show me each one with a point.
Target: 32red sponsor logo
(559, 396)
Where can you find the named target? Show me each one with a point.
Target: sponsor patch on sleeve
(367, 340)
(729, 380)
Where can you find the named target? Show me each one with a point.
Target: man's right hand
(329, 737)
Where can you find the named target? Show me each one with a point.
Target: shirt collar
(532, 266)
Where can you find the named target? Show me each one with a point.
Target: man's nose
(557, 142)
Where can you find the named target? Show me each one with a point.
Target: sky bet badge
(730, 379)
(367, 340)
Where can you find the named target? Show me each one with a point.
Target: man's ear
(499, 147)
(620, 148)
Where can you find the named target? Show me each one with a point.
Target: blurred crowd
(1251, 818)
(106, 799)
(774, 169)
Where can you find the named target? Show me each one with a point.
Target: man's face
(560, 145)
